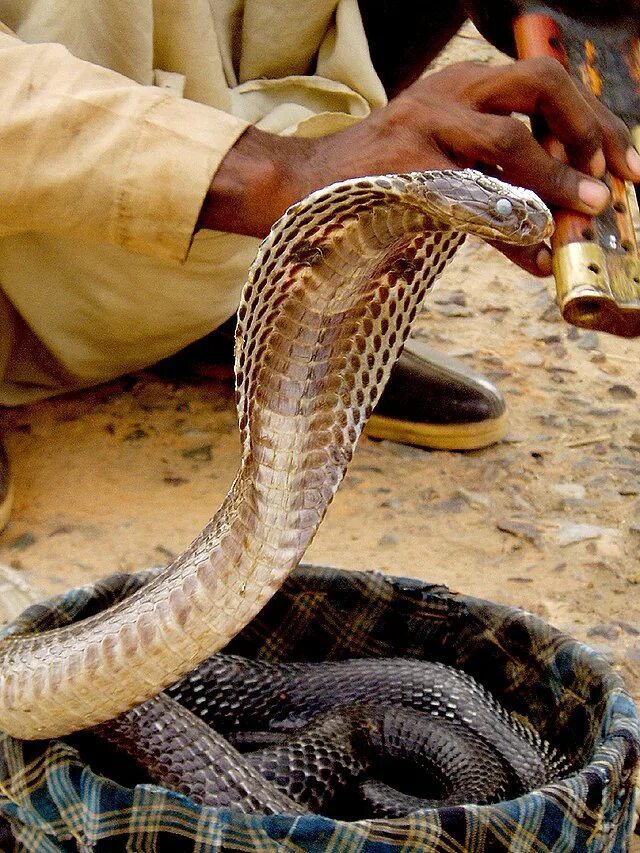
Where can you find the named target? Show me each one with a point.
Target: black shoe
(6, 488)
(435, 401)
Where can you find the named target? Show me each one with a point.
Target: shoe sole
(470, 436)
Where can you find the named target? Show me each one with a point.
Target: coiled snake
(329, 302)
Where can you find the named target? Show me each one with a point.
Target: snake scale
(329, 302)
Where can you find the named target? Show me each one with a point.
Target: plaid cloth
(53, 802)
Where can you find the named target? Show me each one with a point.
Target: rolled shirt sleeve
(88, 153)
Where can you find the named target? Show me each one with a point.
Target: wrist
(261, 175)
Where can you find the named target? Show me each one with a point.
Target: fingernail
(597, 164)
(595, 195)
(633, 161)
(543, 261)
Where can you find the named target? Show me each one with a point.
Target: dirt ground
(123, 476)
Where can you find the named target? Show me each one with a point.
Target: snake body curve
(315, 741)
(328, 305)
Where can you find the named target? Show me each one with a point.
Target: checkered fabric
(54, 802)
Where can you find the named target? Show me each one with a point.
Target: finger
(535, 260)
(542, 87)
(507, 143)
(620, 154)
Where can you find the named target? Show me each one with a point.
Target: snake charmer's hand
(461, 116)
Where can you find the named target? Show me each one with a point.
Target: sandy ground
(123, 476)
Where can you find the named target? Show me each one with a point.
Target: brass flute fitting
(597, 289)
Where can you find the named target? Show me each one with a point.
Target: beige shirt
(115, 116)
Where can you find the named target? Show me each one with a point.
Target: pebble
(628, 628)
(632, 654)
(174, 480)
(551, 314)
(589, 341)
(450, 297)
(570, 533)
(605, 630)
(599, 412)
(474, 499)
(531, 285)
(521, 529)
(573, 334)
(635, 436)
(388, 540)
(450, 310)
(529, 358)
(629, 489)
(135, 434)
(201, 453)
(542, 333)
(622, 392)
(572, 491)
(490, 308)
(25, 540)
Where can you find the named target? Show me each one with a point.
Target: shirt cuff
(178, 150)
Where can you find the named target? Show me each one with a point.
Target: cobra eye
(504, 207)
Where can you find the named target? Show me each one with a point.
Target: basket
(54, 802)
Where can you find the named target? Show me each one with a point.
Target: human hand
(455, 118)
(461, 117)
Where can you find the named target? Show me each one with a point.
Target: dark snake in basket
(329, 302)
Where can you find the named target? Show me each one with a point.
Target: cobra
(329, 302)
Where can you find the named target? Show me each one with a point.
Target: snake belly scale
(327, 307)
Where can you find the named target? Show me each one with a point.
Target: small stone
(633, 654)
(520, 529)
(392, 503)
(605, 630)
(622, 392)
(165, 552)
(387, 540)
(600, 412)
(453, 505)
(635, 436)
(174, 481)
(475, 499)
(453, 310)
(529, 358)
(531, 285)
(572, 533)
(551, 314)
(597, 358)
(491, 308)
(571, 491)
(629, 489)
(589, 340)
(201, 453)
(135, 434)
(628, 628)
(450, 297)
(25, 540)
(540, 333)
(573, 334)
